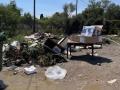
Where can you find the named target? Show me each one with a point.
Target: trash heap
(31, 51)
(41, 37)
(16, 53)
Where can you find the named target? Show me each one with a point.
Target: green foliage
(47, 60)
(68, 9)
(9, 17)
(97, 13)
(104, 13)
(27, 20)
(2, 37)
(54, 24)
(41, 16)
(19, 37)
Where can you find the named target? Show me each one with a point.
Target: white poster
(88, 31)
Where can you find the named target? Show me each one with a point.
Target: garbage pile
(33, 50)
(39, 48)
(14, 53)
(41, 37)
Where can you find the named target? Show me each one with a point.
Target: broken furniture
(89, 36)
(53, 46)
(69, 44)
(55, 49)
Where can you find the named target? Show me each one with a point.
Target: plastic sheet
(55, 72)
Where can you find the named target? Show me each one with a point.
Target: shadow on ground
(95, 60)
(3, 86)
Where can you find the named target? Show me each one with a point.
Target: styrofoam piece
(30, 70)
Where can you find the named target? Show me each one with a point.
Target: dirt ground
(83, 73)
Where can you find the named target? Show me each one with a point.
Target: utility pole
(34, 17)
(76, 6)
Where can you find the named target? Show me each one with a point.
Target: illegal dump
(76, 47)
(46, 49)
(52, 57)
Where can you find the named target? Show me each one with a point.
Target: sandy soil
(83, 73)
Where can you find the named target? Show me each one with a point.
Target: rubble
(38, 36)
(28, 52)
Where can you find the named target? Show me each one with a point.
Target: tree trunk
(1, 45)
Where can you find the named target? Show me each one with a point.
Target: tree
(113, 18)
(27, 20)
(10, 16)
(41, 16)
(93, 4)
(68, 9)
(93, 13)
(113, 12)
(104, 4)
(2, 17)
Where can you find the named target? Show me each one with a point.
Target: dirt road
(83, 73)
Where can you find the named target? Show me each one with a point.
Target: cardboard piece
(88, 31)
(91, 34)
(94, 39)
(74, 38)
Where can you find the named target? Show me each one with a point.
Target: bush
(46, 60)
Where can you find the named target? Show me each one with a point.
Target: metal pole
(76, 6)
(34, 18)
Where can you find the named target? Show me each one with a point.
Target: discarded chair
(54, 49)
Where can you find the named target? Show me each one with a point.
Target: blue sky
(49, 7)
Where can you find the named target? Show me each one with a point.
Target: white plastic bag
(5, 47)
(30, 70)
(55, 72)
(16, 44)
